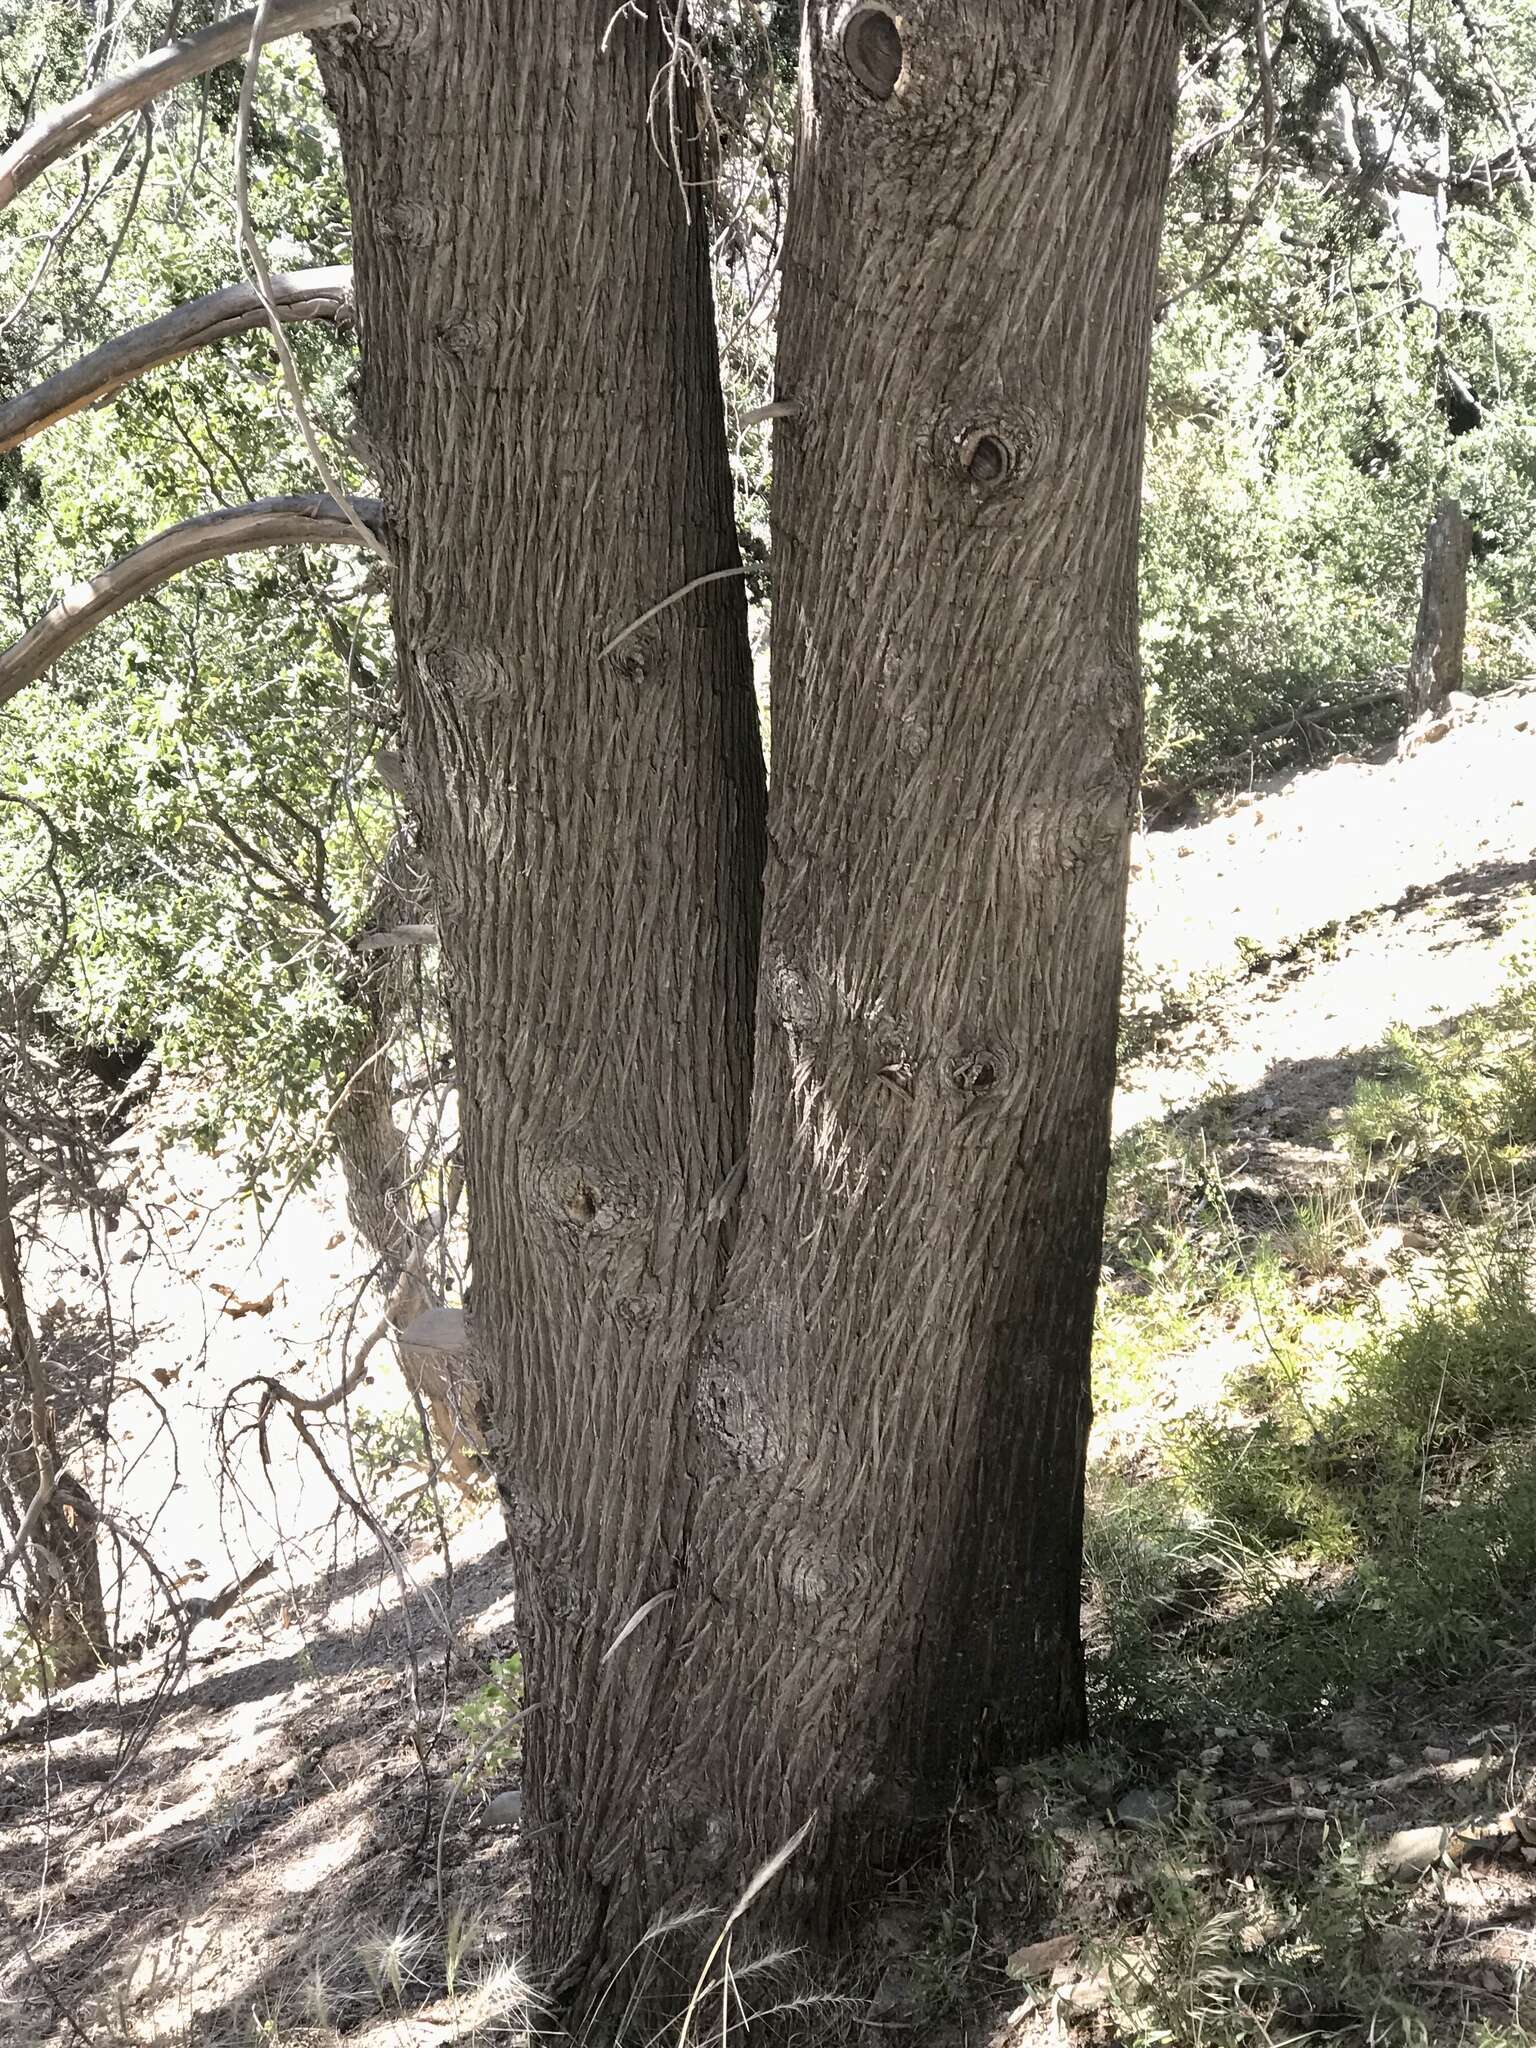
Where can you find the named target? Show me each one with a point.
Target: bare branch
(311, 521)
(195, 324)
(67, 127)
(305, 295)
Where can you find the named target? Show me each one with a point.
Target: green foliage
(1303, 422)
(491, 1722)
(24, 1664)
(202, 756)
(1330, 1543)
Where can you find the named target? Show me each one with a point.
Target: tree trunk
(1439, 641)
(541, 402)
(891, 1415)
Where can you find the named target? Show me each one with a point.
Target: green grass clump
(1324, 1545)
(1459, 1102)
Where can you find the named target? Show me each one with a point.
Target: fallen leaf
(236, 1308)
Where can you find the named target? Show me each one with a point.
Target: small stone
(1434, 1755)
(1263, 1752)
(1145, 1807)
(1039, 1958)
(1411, 1851)
(1210, 1758)
(1084, 1995)
(1359, 1738)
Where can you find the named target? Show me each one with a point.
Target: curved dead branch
(66, 128)
(305, 295)
(313, 521)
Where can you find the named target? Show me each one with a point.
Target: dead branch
(66, 128)
(311, 521)
(305, 295)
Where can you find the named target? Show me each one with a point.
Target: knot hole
(873, 51)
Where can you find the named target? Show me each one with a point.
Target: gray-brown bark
(541, 397)
(891, 1414)
(306, 295)
(1439, 640)
(871, 1535)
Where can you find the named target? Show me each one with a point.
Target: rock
(1411, 1851)
(1083, 1994)
(1040, 1958)
(504, 1811)
(1145, 1807)
(437, 1329)
(1434, 1755)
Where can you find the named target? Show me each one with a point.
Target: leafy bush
(490, 1721)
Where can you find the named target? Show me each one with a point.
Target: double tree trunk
(542, 401)
(853, 1456)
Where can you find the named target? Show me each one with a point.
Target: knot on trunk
(873, 50)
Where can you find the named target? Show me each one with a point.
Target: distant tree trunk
(379, 1175)
(53, 1523)
(1439, 641)
(883, 1579)
(542, 403)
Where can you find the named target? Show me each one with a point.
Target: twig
(250, 247)
(1266, 68)
(676, 597)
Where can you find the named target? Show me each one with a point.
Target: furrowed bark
(305, 295)
(541, 401)
(311, 521)
(71, 126)
(883, 1577)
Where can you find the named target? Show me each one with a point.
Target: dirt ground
(263, 1831)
